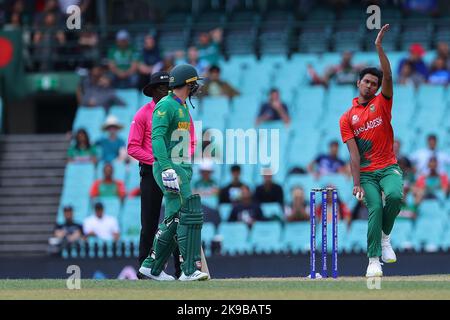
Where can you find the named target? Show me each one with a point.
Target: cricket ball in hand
(359, 196)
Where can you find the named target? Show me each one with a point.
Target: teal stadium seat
(133, 179)
(401, 234)
(265, 237)
(131, 217)
(432, 210)
(130, 97)
(234, 238)
(357, 237)
(119, 170)
(90, 119)
(112, 205)
(296, 237)
(208, 234)
(225, 211)
(272, 210)
(427, 235)
(215, 111)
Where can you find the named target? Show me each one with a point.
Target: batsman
(366, 129)
(172, 169)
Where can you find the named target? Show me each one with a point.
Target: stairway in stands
(31, 179)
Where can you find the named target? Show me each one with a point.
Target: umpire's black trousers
(151, 199)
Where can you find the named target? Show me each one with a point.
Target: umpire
(140, 148)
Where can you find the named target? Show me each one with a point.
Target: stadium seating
(296, 237)
(356, 237)
(235, 238)
(265, 237)
(265, 51)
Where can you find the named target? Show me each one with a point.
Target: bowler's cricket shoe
(196, 276)
(387, 253)
(374, 268)
(147, 272)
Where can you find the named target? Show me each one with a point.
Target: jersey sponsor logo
(372, 108)
(160, 113)
(184, 125)
(355, 119)
(369, 126)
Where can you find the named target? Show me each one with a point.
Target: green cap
(182, 75)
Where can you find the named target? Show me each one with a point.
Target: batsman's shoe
(387, 253)
(374, 268)
(147, 272)
(196, 276)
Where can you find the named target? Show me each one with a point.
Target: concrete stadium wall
(223, 267)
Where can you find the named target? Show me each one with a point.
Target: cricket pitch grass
(434, 287)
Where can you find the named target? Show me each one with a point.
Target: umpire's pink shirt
(140, 137)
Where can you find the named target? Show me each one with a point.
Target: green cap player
(183, 217)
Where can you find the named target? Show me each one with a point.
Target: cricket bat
(204, 263)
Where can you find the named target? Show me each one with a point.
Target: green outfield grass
(417, 287)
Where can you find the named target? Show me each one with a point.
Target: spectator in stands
(429, 185)
(112, 147)
(193, 59)
(108, 187)
(328, 163)
(96, 90)
(406, 166)
(422, 157)
(416, 53)
(208, 189)
(88, 46)
(408, 211)
(123, 62)
(423, 6)
(345, 72)
(82, 150)
(407, 75)
(344, 212)
(48, 43)
(269, 191)
(232, 192)
(439, 73)
(166, 65)
(150, 56)
(18, 16)
(50, 6)
(274, 109)
(206, 186)
(215, 87)
(209, 46)
(68, 232)
(82, 4)
(246, 210)
(297, 209)
(443, 52)
(100, 225)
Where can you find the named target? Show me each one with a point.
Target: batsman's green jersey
(170, 126)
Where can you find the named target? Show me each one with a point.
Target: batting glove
(170, 180)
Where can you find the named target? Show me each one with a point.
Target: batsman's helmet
(183, 74)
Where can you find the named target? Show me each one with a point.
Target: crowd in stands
(411, 69)
(124, 67)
